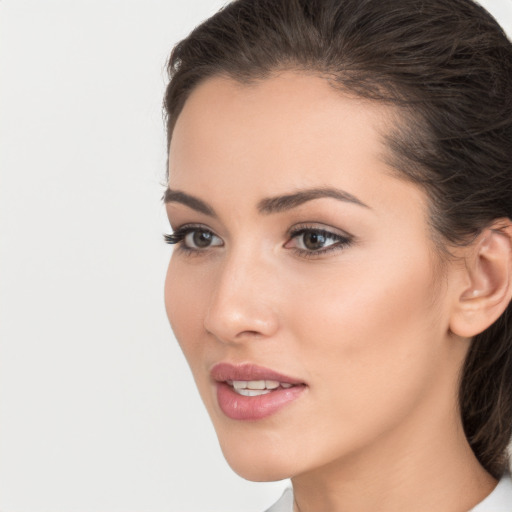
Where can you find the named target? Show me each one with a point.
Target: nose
(243, 304)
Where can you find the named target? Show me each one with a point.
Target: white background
(98, 412)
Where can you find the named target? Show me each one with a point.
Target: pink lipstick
(251, 392)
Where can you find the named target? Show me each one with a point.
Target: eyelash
(178, 237)
(340, 241)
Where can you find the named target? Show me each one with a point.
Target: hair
(446, 65)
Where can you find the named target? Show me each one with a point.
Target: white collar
(500, 500)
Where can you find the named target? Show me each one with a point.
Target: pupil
(314, 240)
(202, 238)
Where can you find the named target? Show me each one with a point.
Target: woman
(340, 193)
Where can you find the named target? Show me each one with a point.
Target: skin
(366, 326)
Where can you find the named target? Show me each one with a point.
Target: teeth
(256, 384)
(257, 387)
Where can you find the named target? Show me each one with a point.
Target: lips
(251, 392)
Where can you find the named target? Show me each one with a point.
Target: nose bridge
(244, 300)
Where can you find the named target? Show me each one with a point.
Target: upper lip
(222, 372)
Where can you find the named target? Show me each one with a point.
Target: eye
(193, 238)
(310, 241)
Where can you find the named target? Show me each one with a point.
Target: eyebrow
(176, 196)
(268, 205)
(289, 201)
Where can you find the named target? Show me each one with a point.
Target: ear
(485, 289)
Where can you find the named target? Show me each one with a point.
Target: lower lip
(240, 407)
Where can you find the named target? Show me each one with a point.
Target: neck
(422, 466)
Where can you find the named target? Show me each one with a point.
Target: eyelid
(180, 233)
(343, 239)
(316, 226)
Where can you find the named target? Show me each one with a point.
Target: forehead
(290, 130)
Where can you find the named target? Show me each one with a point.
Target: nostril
(240, 323)
(242, 304)
(249, 333)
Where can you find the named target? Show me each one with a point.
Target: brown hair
(447, 66)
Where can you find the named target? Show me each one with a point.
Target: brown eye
(201, 239)
(310, 242)
(314, 240)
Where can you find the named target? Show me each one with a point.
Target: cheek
(370, 338)
(185, 295)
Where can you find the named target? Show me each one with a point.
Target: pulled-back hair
(446, 65)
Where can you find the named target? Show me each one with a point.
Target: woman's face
(306, 268)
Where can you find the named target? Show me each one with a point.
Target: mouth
(256, 387)
(250, 392)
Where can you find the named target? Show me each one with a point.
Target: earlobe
(486, 289)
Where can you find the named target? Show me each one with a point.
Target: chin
(254, 461)
(258, 471)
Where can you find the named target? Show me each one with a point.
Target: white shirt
(500, 500)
